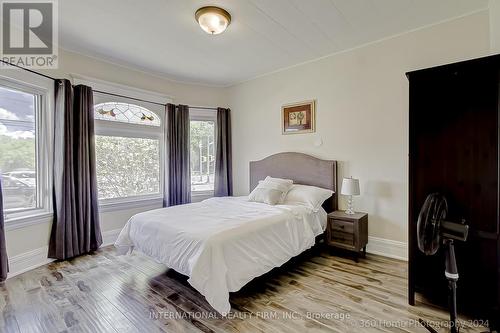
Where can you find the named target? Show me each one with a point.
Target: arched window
(126, 113)
(128, 150)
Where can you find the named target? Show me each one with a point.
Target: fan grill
(433, 211)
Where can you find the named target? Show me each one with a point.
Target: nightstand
(349, 232)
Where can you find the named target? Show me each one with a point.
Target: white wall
(35, 238)
(494, 7)
(362, 113)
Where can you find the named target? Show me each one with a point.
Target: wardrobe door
(454, 151)
(480, 104)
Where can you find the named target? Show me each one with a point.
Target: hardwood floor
(317, 292)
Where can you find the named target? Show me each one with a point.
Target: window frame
(196, 114)
(43, 88)
(130, 130)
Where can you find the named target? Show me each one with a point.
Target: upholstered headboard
(302, 169)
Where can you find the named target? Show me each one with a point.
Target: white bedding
(222, 243)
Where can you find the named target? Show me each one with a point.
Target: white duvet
(222, 243)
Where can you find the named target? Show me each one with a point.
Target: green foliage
(200, 130)
(127, 166)
(202, 145)
(16, 153)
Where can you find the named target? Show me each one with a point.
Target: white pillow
(284, 185)
(279, 180)
(270, 191)
(310, 196)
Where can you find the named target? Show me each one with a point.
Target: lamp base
(349, 212)
(350, 207)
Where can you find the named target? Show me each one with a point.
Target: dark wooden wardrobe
(454, 149)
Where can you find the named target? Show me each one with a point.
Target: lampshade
(350, 186)
(213, 20)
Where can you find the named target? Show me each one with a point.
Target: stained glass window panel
(125, 113)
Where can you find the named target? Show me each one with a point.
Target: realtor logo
(29, 33)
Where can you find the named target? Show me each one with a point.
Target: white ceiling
(162, 37)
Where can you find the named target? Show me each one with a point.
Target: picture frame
(298, 118)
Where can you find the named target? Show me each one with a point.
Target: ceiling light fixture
(213, 20)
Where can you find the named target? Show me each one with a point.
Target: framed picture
(298, 118)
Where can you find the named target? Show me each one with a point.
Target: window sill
(14, 223)
(197, 196)
(130, 203)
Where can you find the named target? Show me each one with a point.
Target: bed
(221, 244)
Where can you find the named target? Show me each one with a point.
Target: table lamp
(350, 187)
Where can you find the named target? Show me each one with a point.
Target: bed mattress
(222, 243)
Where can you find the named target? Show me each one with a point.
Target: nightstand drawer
(342, 237)
(342, 226)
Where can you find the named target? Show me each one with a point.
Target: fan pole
(453, 306)
(451, 273)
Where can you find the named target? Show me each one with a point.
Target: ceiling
(162, 37)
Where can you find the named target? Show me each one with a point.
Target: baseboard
(27, 261)
(24, 262)
(387, 248)
(109, 237)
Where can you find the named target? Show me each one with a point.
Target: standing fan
(432, 231)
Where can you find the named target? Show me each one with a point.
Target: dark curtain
(75, 230)
(223, 155)
(178, 171)
(4, 260)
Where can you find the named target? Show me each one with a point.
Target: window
(128, 154)
(127, 167)
(202, 136)
(18, 110)
(24, 152)
(126, 113)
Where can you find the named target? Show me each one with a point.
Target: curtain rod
(102, 92)
(146, 101)
(202, 107)
(97, 91)
(28, 70)
(128, 97)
